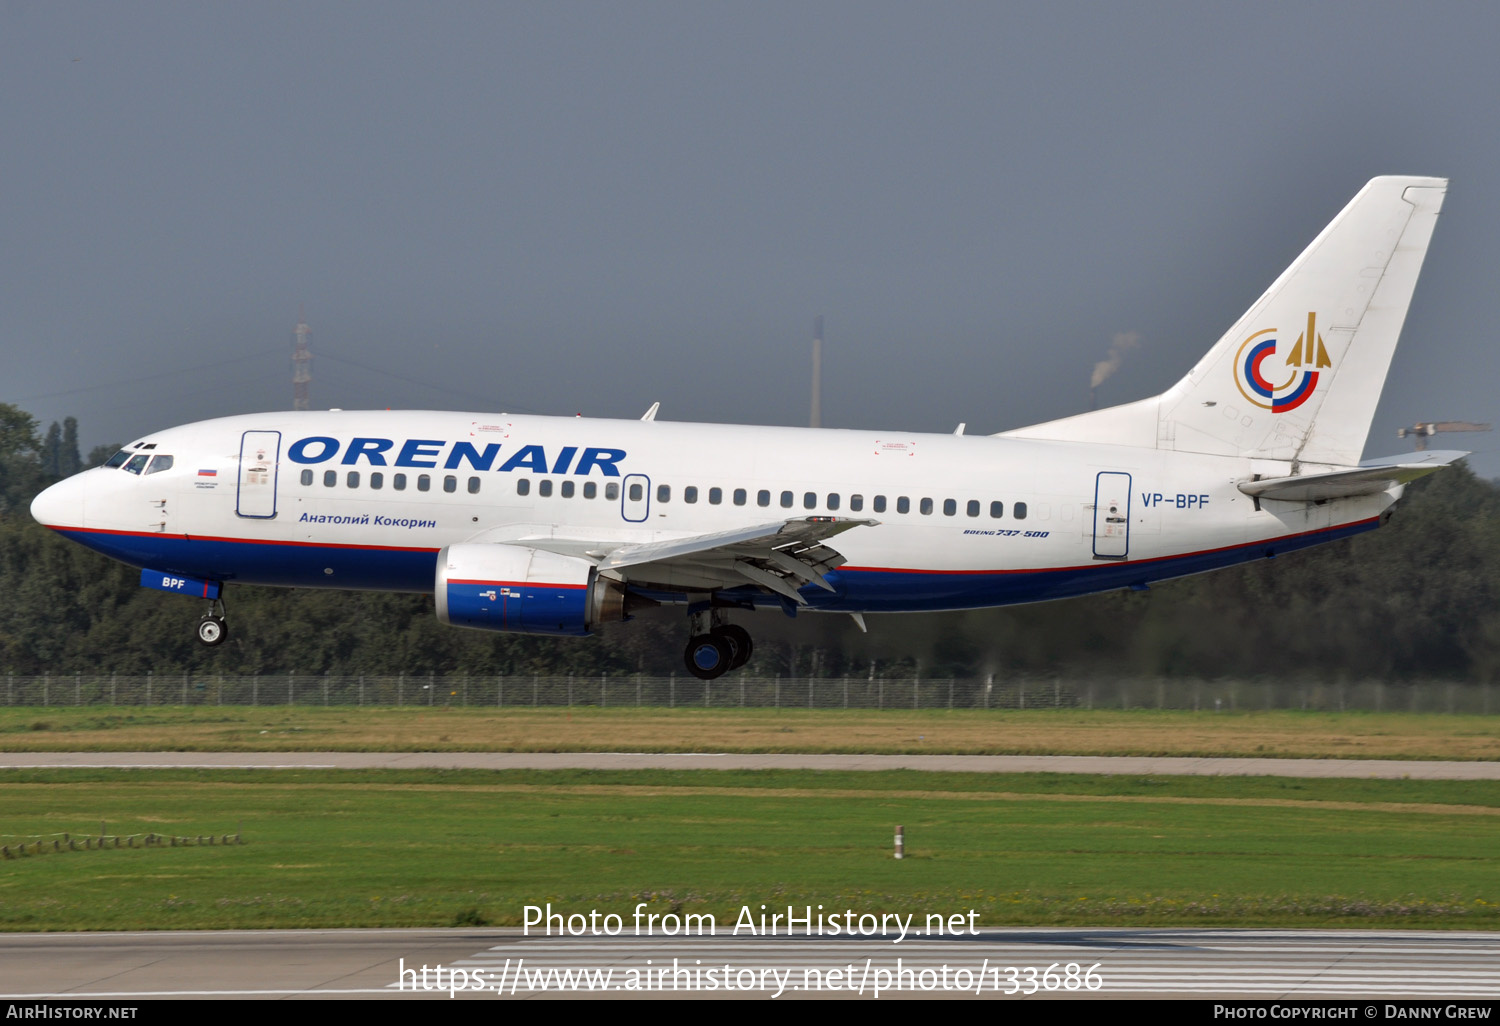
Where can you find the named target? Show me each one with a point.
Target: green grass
(410, 848)
(1267, 734)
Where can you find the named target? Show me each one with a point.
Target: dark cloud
(584, 207)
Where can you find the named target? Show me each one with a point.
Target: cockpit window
(159, 463)
(137, 463)
(118, 458)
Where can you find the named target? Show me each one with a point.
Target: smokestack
(816, 420)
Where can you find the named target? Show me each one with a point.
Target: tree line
(1419, 598)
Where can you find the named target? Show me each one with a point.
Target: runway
(503, 964)
(1356, 966)
(1389, 769)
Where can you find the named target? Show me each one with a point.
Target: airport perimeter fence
(738, 690)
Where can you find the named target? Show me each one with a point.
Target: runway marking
(1283, 964)
(1260, 967)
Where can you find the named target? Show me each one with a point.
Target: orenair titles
(427, 452)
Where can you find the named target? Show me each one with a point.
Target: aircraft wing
(1370, 477)
(781, 557)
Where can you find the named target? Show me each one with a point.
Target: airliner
(554, 525)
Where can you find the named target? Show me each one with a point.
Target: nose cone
(60, 505)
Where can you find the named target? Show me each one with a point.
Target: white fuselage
(313, 500)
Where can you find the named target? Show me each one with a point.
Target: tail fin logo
(1256, 374)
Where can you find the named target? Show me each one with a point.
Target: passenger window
(690, 493)
(997, 510)
(424, 482)
(636, 492)
(158, 464)
(715, 496)
(612, 490)
(118, 458)
(950, 507)
(763, 498)
(566, 489)
(473, 484)
(523, 486)
(927, 507)
(544, 487)
(450, 483)
(307, 476)
(352, 480)
(330, 478)
(590, 489)
(786, 500)
(1018, 511)
(740, 495)
(663, 493)
(879, 505)
(398, 482)
(903, 505)
(972, 508)
(810, 500)
(856, 503)
(833, 500)
(377, 479)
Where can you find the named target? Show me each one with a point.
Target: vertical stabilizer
(1298, 376)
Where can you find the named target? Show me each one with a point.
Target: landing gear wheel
(740, 639)
(708, 656)
(211, 630)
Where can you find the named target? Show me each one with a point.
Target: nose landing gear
(716, 647)
(211, 629)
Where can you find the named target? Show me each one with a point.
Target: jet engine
(502, 587)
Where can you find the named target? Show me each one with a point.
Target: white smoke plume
(1122, 343)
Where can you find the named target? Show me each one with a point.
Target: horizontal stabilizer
(1371, 477)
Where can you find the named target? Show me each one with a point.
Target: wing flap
(780, 557)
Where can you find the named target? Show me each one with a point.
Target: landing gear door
(1112, 515)
(260, 452)
(635, 498)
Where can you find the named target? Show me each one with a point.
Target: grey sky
(586, 207)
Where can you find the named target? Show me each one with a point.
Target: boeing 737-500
(553, 525)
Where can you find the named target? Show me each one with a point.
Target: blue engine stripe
(528, 608)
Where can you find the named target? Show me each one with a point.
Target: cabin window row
(834, 501)
(831, 501)
(398, 482)
(423, 482)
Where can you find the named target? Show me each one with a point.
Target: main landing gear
(211, 629)
(716, 647)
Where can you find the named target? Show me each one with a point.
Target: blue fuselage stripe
(863, 589)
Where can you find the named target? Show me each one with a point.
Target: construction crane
(1422, 431)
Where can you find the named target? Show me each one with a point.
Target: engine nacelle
(514, 588)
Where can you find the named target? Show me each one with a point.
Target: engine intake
(524, 590)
